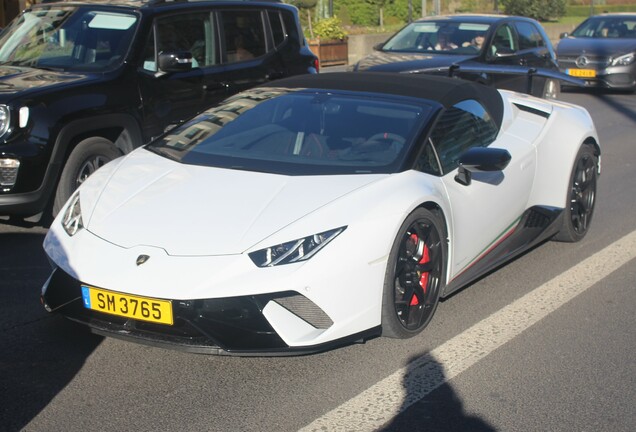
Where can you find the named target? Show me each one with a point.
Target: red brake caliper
(423, 276)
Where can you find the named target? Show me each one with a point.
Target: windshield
(67, 38)
(607, 27)
(449, 37)
(299, 132)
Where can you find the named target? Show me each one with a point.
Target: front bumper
(26, 204)
(36, 178)
(221, 326)
(615, 77)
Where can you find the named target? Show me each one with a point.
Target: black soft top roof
(446, 91)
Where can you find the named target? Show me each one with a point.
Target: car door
(247, 54)
(169, 98)
(485, 211)
(504, 51)
(534, 50)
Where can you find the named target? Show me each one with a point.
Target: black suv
(83, 82)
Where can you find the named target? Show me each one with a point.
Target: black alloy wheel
(581, 197)
(415, 275)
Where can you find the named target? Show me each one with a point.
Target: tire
(551, 89)
(581, 198)
(84, 160)
(415, 275)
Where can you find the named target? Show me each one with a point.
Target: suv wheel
(85, 159)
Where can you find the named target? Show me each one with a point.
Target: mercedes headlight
(295, 250)
(623, 60)
(72, 219)
(5, 119)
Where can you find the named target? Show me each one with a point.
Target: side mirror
(481, 159)
(378, 47)
(504, 52)
(175, 61)
(564, 35)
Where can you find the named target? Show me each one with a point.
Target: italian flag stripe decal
(496, 242)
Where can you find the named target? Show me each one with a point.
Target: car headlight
(623, 60)
(72, 219)
(295, 250)
(5, 119)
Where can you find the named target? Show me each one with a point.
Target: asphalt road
(545, 343)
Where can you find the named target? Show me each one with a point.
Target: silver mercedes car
(601, 50)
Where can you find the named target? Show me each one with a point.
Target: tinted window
(68, 38)
(287, 132)
(607, 27)
(442, 35)
(190, 32)
(504, 40)
(529, 36)
(243, 35)
(465, 125)
(276, 23)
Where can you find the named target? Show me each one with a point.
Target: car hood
(192, 210)
(14, 79)
(398, 62)
(595, 46)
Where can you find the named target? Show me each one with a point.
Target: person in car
(477, 42)
(444, 42)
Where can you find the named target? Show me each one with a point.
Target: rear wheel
(86, 158)
(414, 276)
(581, 197)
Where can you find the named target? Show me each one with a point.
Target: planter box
(330, 52)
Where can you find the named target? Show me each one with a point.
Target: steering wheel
(386, 136)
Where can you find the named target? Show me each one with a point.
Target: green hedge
(584, 11)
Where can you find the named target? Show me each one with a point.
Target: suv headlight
(295, 250)
(72, 219)
(5, 119)
(623, 60)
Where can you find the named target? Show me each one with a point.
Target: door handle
(216, 86)
(274, 75)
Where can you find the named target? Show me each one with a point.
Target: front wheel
(86, 158)
(581, 197)
(415, 275)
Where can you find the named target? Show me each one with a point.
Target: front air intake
(304, 308)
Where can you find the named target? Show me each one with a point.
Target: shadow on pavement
(431, 404)
(39, 353)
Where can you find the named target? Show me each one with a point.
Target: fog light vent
(305, 309)
(8, 173)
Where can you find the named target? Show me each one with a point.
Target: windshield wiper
(31, 64)
(49, 68)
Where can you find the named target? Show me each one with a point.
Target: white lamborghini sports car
(317, 211)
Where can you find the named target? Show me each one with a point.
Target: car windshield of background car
(425, 36)
(607, 27)
(298, 132)
(68, 38)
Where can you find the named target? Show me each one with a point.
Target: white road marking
(380, 403)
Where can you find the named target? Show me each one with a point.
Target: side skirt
(536, 225)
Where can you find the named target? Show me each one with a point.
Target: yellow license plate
(582, 73)
(129, 306)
